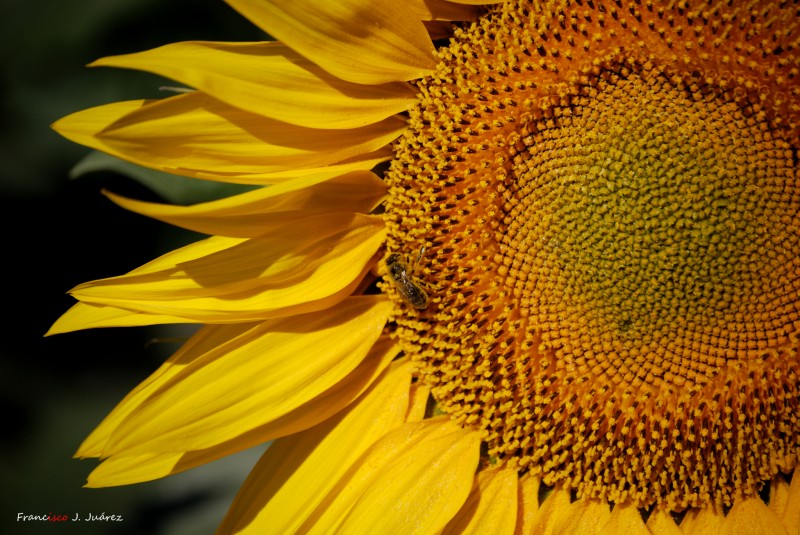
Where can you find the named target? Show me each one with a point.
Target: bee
(402, 276)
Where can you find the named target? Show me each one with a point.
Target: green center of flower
(652, 228)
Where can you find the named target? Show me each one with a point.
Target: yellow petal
(551, 513)
(362, 41)
(624, 519)
(778, 495)
(262, 210)
(270, 369)
(305, 266)
(420, 396)
(446, 11)
(752, 517)
(335, 398)
(791, 512)
(118, 470)
(272, 80)
(662, 523)
(413, 480)
(204, 341)
(82, 127)
(92, 315)
(127, 469)
(89, 316)
(196, 135)
(528, 500)
(585, 517)
(705, 521)
(491, 507)
(363, 162)
(297, 472)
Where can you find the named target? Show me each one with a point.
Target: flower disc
(609, 206)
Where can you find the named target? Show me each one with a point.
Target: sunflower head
(609, 200)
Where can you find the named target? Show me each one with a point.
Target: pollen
(608, 198)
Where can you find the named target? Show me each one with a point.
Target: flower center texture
(608, 206)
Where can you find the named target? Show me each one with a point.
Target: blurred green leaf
(172, 188)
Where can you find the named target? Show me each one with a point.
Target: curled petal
(362, 41)
(271, 80)
(301, 267)
(199, 136)
(263, 210)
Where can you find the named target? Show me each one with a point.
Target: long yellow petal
(262, 210)
(204, 341)
(752, 517)
(127, 469)
(195, 132)
(208, 341)
(301, 267)
(491, 506)
(413, 480)
(528, 500)
(259, 376)
(90, 316)
(551, 514)
(82, 126)
(791, 512)
(93, 315)
(297, 472)
(779, 496)
(362, 41)
(362, 162)
(197, 135)
(272, 80)
(418, 405)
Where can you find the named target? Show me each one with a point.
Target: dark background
(57, 233)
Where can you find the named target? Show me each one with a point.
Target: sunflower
(569, 302)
